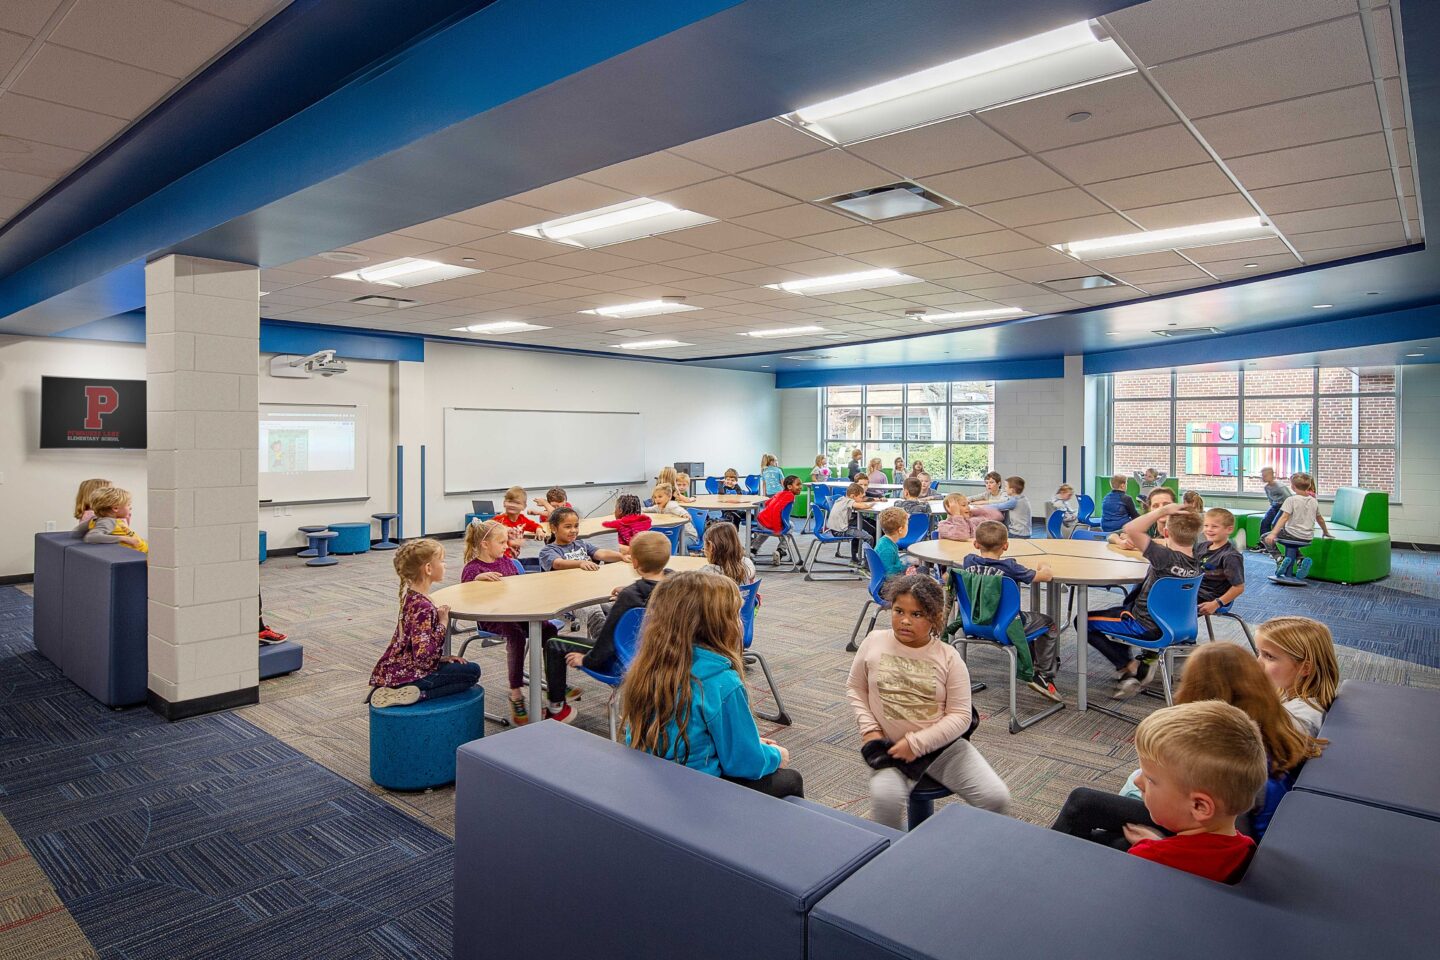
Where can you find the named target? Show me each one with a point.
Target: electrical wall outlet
(279, 511)
(49, 526)
(287, 511)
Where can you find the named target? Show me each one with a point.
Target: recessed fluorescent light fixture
(1044, 63)
(1152, 241)
(617, 223)
(393, 303)
(997, 313)
(652, 344)
(500, 326)
(904, 199)
(647, 308)
(1321, 306)
(408, 272)
(1095, 281)
(1187, 332)
(1414, 354)
(784, 332)
(843, 282)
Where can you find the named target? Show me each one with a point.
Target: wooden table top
(937, 507)
(724, 502)
(595, 526)
(953, 552)
(842, 484)
(1073, 561)
(1087, 548)
(539, 596)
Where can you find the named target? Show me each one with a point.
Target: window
(1215, 430)
(949, 427)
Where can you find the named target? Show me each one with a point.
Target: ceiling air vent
(1187, 331)
(903, 199)
(396, 303)
(1071, 284)
(808, 356)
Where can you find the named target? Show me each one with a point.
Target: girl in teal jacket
(683, 697)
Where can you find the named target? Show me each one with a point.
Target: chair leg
(780, 715)
(854, 643)
(812, 560)
(1210, 628)
(1245, 628)
(1165, 660)
(613, 708)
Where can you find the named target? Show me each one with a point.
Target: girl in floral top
(414, 666)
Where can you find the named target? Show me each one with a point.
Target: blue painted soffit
(1043, 369)
(513, 96)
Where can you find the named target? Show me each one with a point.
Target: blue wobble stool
(1291, 569)
(310, 551)
(320, 543)
(385, 543)
(353, 538)
(412, 748)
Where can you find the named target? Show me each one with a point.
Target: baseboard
(1410, 545)
(17, 578)
(184, 709)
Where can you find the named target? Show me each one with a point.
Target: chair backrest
(672, 533)
(1085, 507)
(698, 518)
(935, 485)
(627, 636)
(649, 502)
(877, 575)
(785, 518)
(1054, 525)
(752, 484)
(749, 594)
(1082, 534)
(712, 485)
(916, 530)
(1365, 510)
(1009, 608)
(519, 567)
(1172, 603)
(823, 495)
(819, 516)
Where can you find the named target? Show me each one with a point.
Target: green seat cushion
(1349, 556)
(1360, 509)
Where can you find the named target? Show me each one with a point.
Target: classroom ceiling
(1294, 111)
(74, 74)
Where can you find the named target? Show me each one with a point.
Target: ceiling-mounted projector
(295, 367)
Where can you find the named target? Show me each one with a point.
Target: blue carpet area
(206, 838)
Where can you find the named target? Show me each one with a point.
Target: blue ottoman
(49, 600)
(413, 747)
(262, 546)
(278, 659)
(354, 538)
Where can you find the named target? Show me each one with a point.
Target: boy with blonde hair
(513, 518)
(1065, 503)
(111, 523)
(1201, 766)
(1117, 509)
(893, 524)
(910, 500)
(1221, 566)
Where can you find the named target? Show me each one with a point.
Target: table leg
(537, 672)
(1082, 630)
(749, 533)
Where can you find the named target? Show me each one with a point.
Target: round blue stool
(385, 542)
(262, 546)
(413, 747)
(320, 543)
(310, 551)
(922, 801)
(351, 538)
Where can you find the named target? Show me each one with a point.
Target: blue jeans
(1268, 521)
(448, 680)
(1117, 622)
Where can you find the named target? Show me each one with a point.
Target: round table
(744, 503)
(595, 526)
(537, 597)
(1078, 563)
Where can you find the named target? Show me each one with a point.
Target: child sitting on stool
(414, 666)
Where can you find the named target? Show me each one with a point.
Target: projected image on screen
(311, 452)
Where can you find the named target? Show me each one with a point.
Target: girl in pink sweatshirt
(911, 695)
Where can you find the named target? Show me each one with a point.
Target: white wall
(39, 485)
(724, 418)
(799, 428)
(1417, 518)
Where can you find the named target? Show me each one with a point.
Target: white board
(311, 452)
(488, 450)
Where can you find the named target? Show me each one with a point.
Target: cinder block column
(202, 332)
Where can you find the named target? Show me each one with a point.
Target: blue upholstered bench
(278, 659)
(49, 601)
(353, 538)
(723, 871)
(104, 650)
(413, 747)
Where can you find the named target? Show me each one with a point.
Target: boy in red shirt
(1201, 766)
(769, 515)
(514, 517)
(629, 520)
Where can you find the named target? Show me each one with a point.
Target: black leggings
(782, 783)
(1101, 817)
(449, 679)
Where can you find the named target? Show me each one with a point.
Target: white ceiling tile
(592, 261)
(155, 34)
(1033, 257)
(1244, 250)
(1001, 241)
(471, 257)
(707, 285)
(1379, 234)
(651, 174)
(1162, 148)
(795, 220)
(602, 282)
(943, 271)
(937, 147)
(725, 198)
(1335, 218)
(979, 281)
(655, 273)
(1326, 56)
(503, 215)
(898, 258)
(1325, 116)
(759, 277)
(12, 48)
(1229, 269)
(1081, 228)
(1106, 295)
(241, 11)
(777, 253)
(1402, 146)
(1142, 261)
(1316, 161)
(1020, 177)
(821, 175)
(392, 245)
(1120, 106)
(1166, 186)
(546, 272)
(1412, 211)
(1187, 212)
(27, 17)
(452, 233)
(1164, 30)
(1171, 286)
(9, 206)
(1335, 191)
(720, 236)
(51, 123)
(77, 79)
(1341, 253)
(27, 186)
(1385, 42)
(1144, 278)
(827, 266)
(652, 250)
(768, 141)
(853, 240)
(568, 197)
(1043, 208)
(521, 248)
(939, 225)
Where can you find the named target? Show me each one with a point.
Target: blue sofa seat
(49, 603)
(104, 650)
(658, 860)
(278, 659)
(1383, 749)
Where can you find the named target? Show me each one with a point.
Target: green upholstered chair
(802, 499)
(1358, 549)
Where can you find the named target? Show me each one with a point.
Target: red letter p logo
(98, 402)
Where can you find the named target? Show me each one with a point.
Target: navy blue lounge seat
(49, 602)
(278, 659)
(1383, 749)
(658, 860)
(104, 650)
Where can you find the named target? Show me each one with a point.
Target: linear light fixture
(500, 326)
(995, 313)
(1151, 241)
(1075, 54)
(617, 223)
(784, 332)
(647, 308)
(408, 272)
(842, 282)
(652, 344)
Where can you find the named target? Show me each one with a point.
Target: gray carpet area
(344, 616)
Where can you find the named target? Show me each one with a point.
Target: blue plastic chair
(1173, 604)
(877, 579)
(698, 518)
(921, 804)
(712, 485)
(749, 598)
(627, 642)
(917, 529)
(785, 536)
(819, 517)
(1055, 525)
(1085, 511)
(997, 632)
(649, 502)
(674, 533)
(1227, 610)
(752, 484)
(1080, 533)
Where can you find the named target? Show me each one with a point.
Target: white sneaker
(1127, 689)
(395, 696)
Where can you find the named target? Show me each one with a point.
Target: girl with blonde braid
(414, 666)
